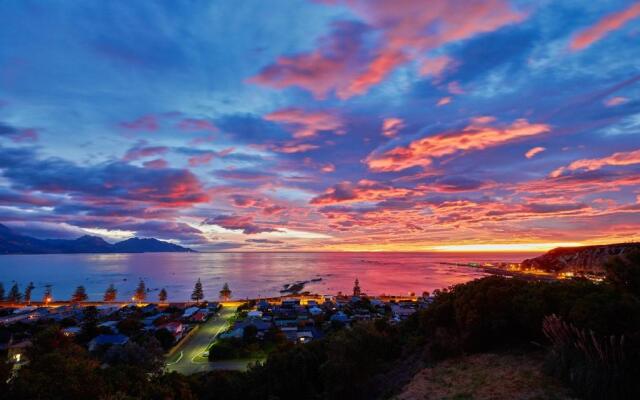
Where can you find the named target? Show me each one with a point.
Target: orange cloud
(291, 148)
(444, 101)
(306, 123)
(618, 159)
(534, 151)
(377, 70)
(364, 190)
(615, 101)
(391, 126)
(603, 27)
(476, 136)
(328, 168)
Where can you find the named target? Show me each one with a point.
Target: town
(189, 337)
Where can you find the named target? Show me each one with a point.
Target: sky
(334, 125)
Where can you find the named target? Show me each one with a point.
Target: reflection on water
(248, 274)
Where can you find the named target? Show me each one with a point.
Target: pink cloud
(454, 88)
(291, 148)
(444, 101)
(25, 135)
(195, 125)
(534, 151)
(244, 223)
(136, 153)
(332, 65)
(436, 66)
(603, 27)
(615, 101)
(375, 72)
(156, 164)
(305, 124)
(343, 64)
(391, 126)
(476, 136)
(202, 140)
(147, 123)
(201, 159)
(328, 168)
(616, 159)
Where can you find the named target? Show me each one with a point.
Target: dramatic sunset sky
(322, 125)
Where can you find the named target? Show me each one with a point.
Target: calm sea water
(248, 274)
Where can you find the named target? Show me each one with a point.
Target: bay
(248, 274)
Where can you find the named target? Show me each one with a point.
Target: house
(199, 316)
(72, 331)
(291, 333)
(149, 308)
(105, 310)
(254, 314)
(107, 340)
(315, 311)
(148, 322)
(16, 350)
(189, 312)
(340, 317)
(402, 312)
(263, 305)
(290, 303)
(260, 325)
(304, 336)
(176, 328)
(286, 322)
(113, 325)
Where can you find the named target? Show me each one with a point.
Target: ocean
(248, 274)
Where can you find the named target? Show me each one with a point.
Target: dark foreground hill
(13, 243)
(583, 259)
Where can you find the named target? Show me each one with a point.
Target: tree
(162, 296)
(225, 293)
(14, 294)
(1, 292)
(165, 338)
(197, 294)
(79, 295)
(111, 293)
(141, 292)
(624, 272)
(48, 296)
(27, 292)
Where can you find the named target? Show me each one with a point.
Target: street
(188, 358)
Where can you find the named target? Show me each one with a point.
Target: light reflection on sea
(248, 274)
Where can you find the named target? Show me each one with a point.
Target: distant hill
(585, 258)
(13, 243)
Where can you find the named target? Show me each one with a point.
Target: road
(188, 358)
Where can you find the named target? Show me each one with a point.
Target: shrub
(595, 367)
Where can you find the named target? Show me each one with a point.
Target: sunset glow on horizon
(302, 125)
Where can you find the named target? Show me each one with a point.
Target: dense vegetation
(373, 360)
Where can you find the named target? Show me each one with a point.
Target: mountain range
(14, 243)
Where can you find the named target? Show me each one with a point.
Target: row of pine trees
(80, 294)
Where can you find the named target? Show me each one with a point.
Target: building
(107, 340)
(176, 329)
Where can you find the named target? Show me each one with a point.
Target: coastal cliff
(584, 259)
